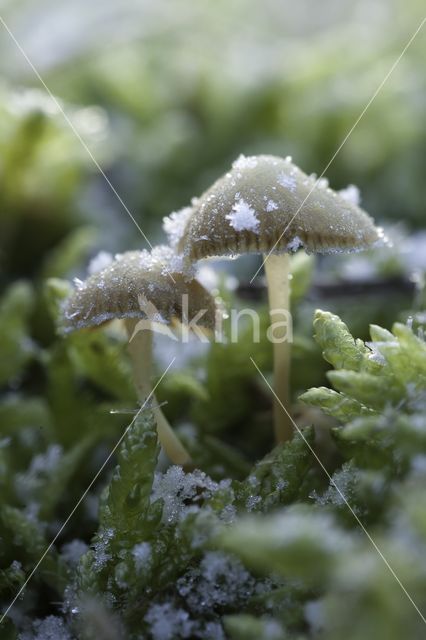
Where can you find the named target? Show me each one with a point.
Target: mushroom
(149, 291)
(266, 204)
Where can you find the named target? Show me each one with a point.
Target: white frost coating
(294, 244)
(167, 260)
(219, 580)
(322, 183)
(72, 551)
(245, 162)
(351, 194)
(42, 466)
(79, 284)
(102, 260)
(243, 217)
(346, 479)
(163, 259)
(319, 183)
(174, 225)
(101, 549)
(176, 489)
(271, 206)
(142, 554)
(252, 502)
(51, 628)
(167, 622)
(286, 181)
(376, 355)
(315, 615)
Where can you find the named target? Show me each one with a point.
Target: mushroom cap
(260, 206)
(139, 284)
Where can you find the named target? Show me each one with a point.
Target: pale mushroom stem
(140, 350)
(277, 270)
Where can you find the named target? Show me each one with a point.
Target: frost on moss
(383, 373)
(246, 544)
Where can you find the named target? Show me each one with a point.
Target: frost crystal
(322, 183)
(42, 466)
(220, 580)
(102, 260)
(243, 217)
(174, 225)
(375, 354)
(314, 614)
(271, 206)
(294, 244)
(318, 183)
(166, 622)
(79, 284)
(286, 181)
(176, 488)
(252, 502)
(351, 194)
(244, 162)
(341, 488)
(51, 628)
(100, 549)
(142, 555)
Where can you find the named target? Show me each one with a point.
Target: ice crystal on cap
(351, 194)
(116, 291)
(244, 162)
(243, 217)
(102, 260)
(269, 202)
(174, 224)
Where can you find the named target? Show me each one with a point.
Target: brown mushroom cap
(250, 209)
(117, 291)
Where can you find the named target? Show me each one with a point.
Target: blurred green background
(166, 95)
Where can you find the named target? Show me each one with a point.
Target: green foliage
(16, 347)
(245, 547)
(389, 371)
(253, 541)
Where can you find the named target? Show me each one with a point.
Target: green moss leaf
(16, 346)
(277, 478)
(339, 347)
(248, 627)
(298, 542)
(337, 405)
(128, 500)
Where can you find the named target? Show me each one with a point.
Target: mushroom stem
(140, 350)
(277, 270)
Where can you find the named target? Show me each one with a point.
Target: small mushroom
(266, 204)
(150, 292)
